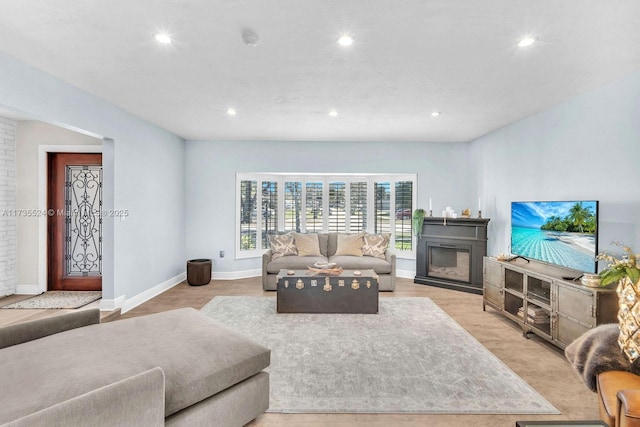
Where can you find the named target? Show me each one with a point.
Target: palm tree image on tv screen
(561, 233)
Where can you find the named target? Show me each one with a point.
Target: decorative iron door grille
(83, 222)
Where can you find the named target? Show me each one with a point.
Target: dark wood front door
(74, 222)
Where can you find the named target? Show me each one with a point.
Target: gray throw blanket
(598, 351)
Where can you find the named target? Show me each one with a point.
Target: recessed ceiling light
(526, 41)
(345, 40)
(231, 112)
(163, 38)
(435, 114)
(333, 113)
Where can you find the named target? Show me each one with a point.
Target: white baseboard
(406, 274)
(145, 296)
(111, 304)
(121, 302)
(28, 290)
(234, 275)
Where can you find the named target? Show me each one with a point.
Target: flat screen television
(563, 233)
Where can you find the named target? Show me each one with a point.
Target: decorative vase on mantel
(629, 318)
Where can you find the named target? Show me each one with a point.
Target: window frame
(326, 179)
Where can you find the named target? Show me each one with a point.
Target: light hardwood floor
(540, 364)
(11, 316)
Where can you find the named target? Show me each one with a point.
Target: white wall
(585, 148)
(8, 275)
(143, 172)
(29, 135)
(444, 173)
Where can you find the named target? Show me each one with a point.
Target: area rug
(58, 299)
(410, 358)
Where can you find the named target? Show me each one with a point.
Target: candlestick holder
(479, 214)
(430, 212)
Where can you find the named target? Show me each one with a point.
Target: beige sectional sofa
(176, 368)
(328, 247)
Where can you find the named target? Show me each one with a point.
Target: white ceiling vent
(249, 37)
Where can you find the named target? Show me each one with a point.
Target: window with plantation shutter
(314, 208)
(271, 203)
(248, 212)
(337, 204)
(292, 206)
(269, 211)
(382, 207)
(357, 207)
(403, 214)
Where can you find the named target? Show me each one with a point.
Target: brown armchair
(619, 398)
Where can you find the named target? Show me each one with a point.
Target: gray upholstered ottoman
(212, 375)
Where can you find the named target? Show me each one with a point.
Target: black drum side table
(198, 272)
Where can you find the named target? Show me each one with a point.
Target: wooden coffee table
(305, 291)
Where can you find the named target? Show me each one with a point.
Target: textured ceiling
(409, 58)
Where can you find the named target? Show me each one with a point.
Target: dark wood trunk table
(305, 291)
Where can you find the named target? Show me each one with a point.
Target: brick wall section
(8, 270)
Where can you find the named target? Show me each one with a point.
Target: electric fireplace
(449, 254)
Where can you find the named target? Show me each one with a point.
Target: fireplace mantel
(450, 252)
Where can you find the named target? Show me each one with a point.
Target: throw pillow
(375, 245)
(350, 244)
(283, 245)
(307, 244)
